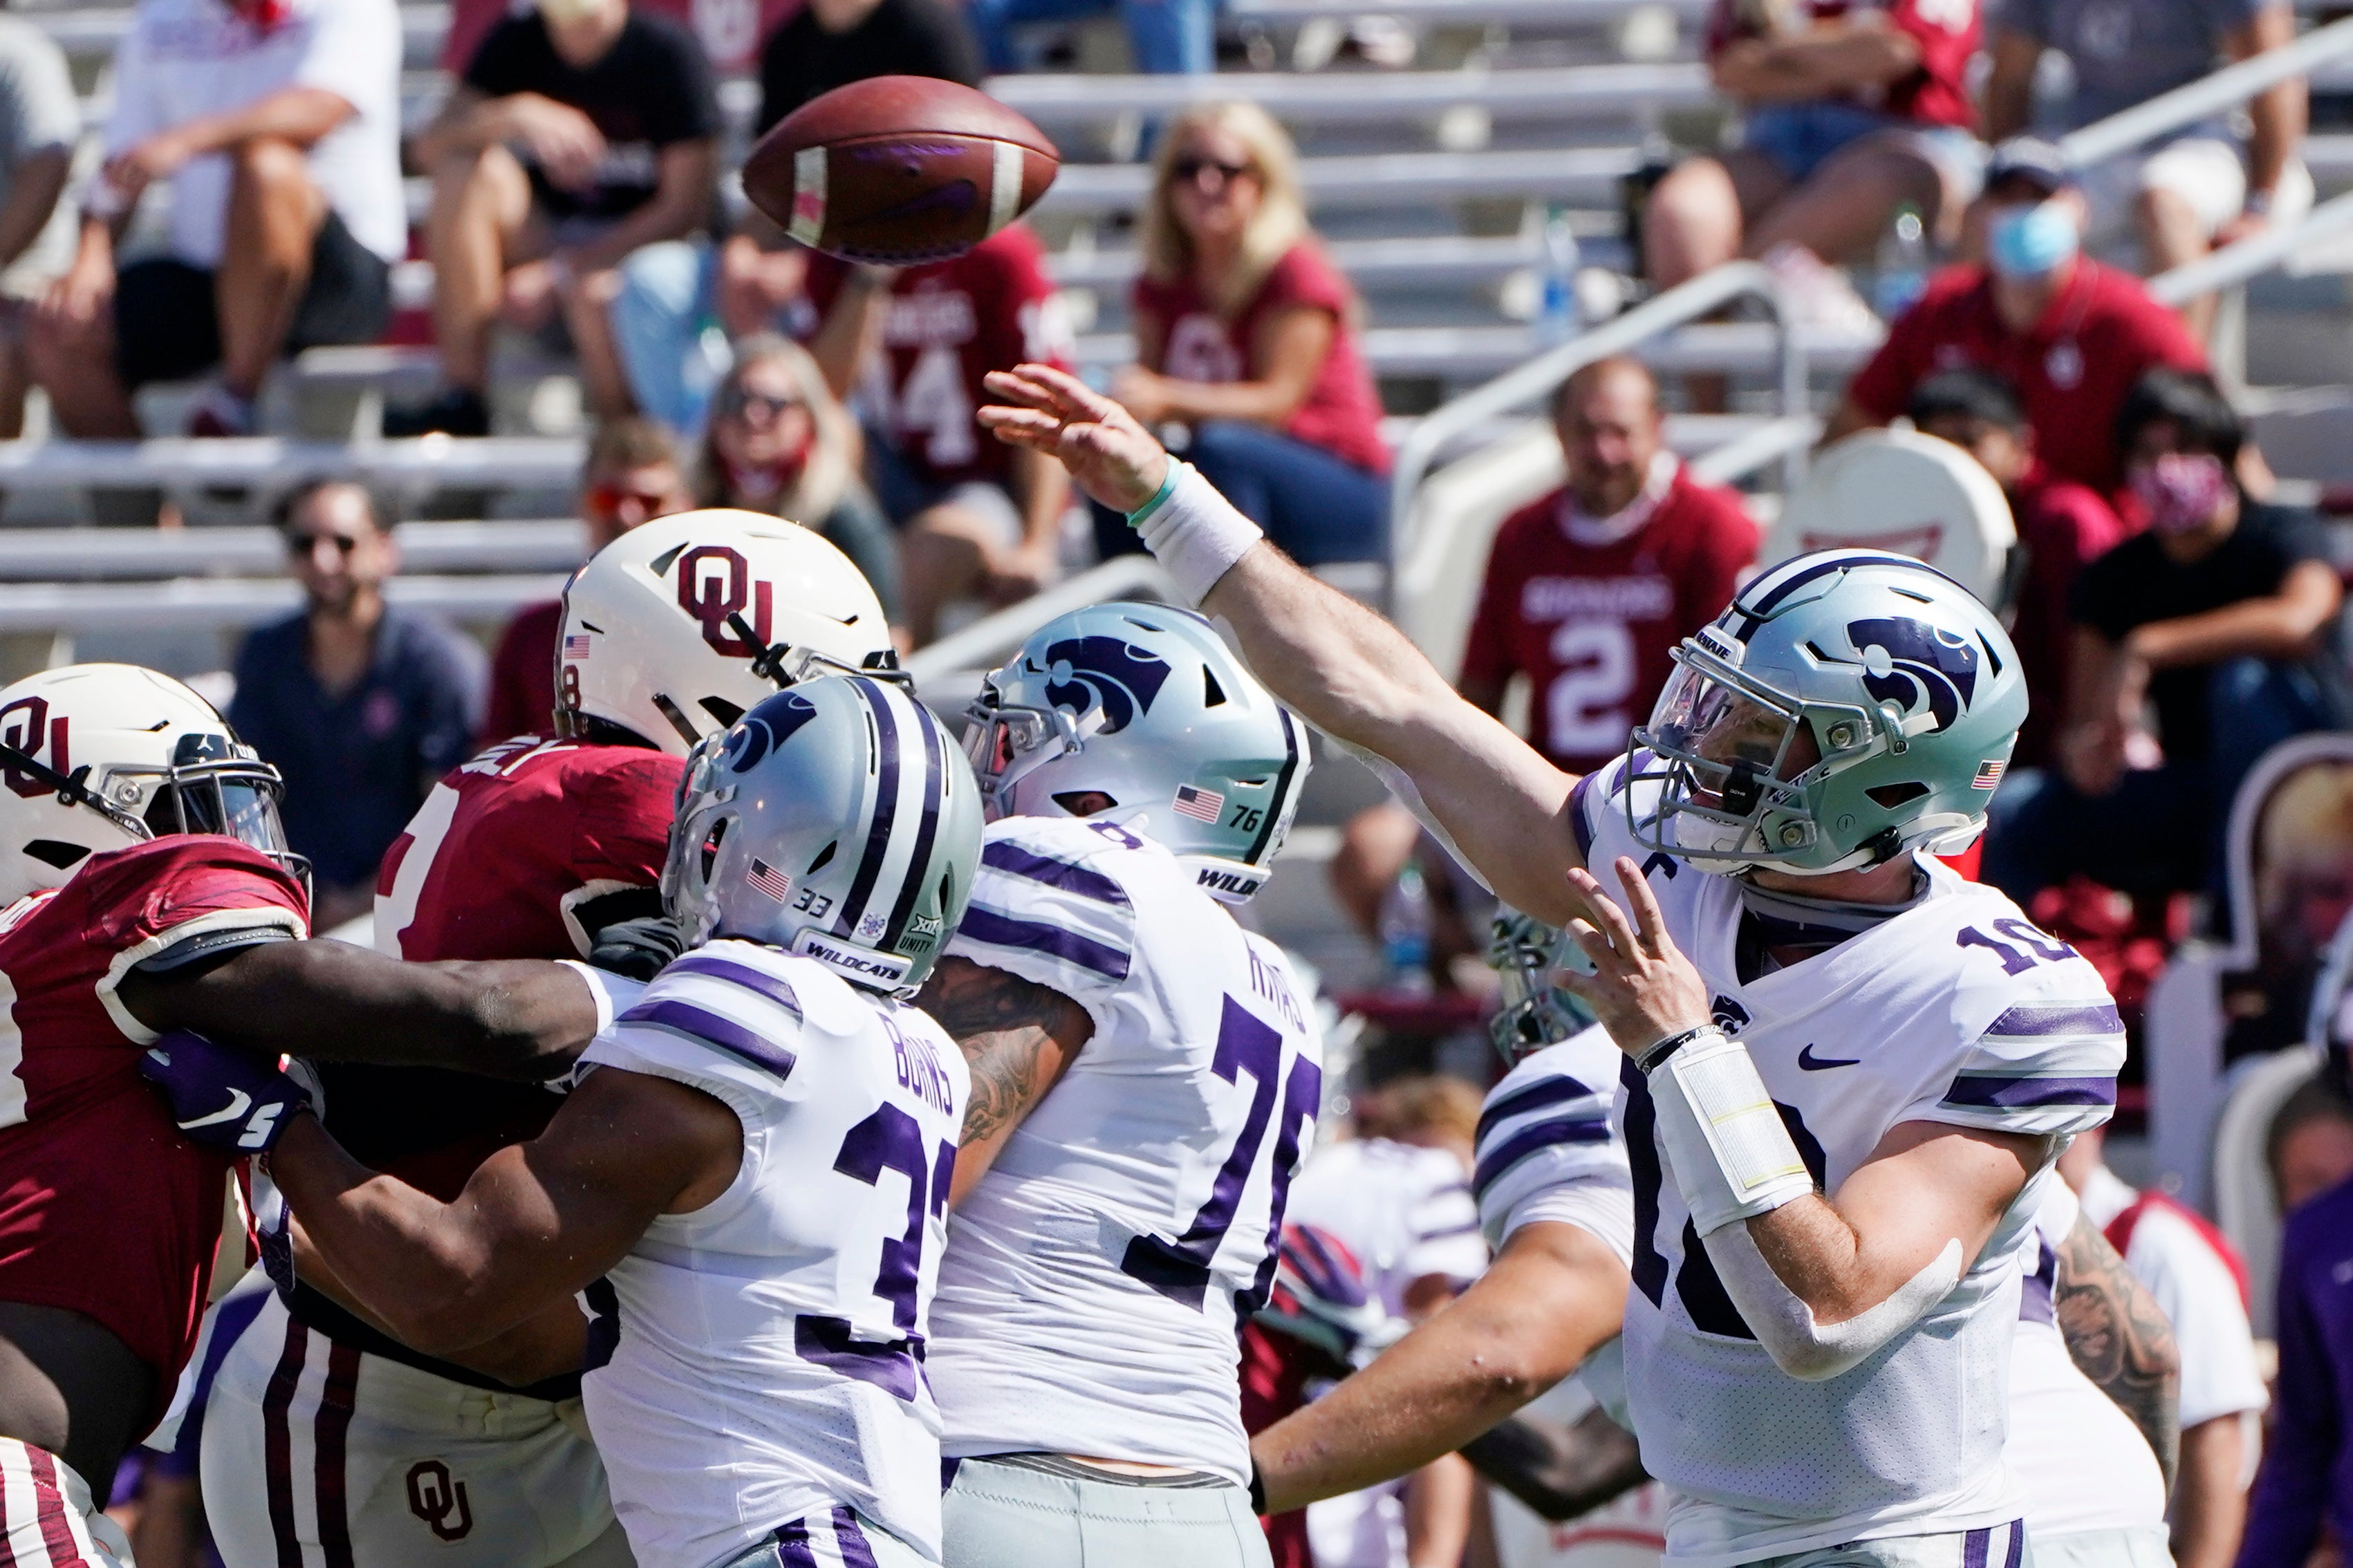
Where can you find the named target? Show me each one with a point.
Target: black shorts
(166, 328)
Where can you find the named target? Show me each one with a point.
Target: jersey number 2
(1180, 1270)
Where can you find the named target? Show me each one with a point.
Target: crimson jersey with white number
(105, 1209)
(1589, 609)
(949, 323)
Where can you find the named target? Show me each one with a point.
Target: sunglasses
(742, 400)
(609, 499)
(1190, 170)
(302, 544)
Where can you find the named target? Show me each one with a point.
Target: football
(899, 169)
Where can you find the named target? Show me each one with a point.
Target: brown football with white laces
(899, 169)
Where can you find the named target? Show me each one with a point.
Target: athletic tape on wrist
(1195, 532)
(1732, 1157)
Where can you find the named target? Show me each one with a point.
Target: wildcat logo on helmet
(765, 728)
(1907, 661)
(1083, 673)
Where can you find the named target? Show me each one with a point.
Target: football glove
(639, 949)
(220, 1097)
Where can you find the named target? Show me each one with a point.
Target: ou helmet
(1534, 1013)
(1144, 704)
(96, 757)
(837, 820)
(1849, 705)
(679, 626)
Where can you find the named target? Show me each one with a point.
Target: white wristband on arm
(1197, 534)
(1732, 1157)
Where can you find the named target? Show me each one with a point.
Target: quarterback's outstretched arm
(1553, 1294)
(1340, 667)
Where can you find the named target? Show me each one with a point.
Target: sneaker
(457, 412)
(218, 411)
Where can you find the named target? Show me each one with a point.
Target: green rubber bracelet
(1136, 519)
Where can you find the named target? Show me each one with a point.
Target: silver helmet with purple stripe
(837, 820)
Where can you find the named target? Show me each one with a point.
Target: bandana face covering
(2181, 491)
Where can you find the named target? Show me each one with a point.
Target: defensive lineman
(1851, 1062)
(547, 846)
(1097, 1273)
(751, 1185)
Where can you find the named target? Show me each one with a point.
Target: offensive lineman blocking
(1852, 1064)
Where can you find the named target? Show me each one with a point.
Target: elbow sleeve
(1805, 1349)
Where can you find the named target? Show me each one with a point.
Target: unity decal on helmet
(765, 728)
(1909, 662)
(25, 726)
(1099, 671)
(716, 582)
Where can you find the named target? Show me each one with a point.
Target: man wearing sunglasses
(359, 703)
(632, 476)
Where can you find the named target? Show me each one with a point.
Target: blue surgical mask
(2026, 243)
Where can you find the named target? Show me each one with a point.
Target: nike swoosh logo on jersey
(1812, 1063)
(237, 1107)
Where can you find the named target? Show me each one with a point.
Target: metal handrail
(1708, 292)
(2259, 252)
(2193, 101)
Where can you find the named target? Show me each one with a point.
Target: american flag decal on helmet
(769, 880)
(1200, 805)
(1989, 774)
(576, 646)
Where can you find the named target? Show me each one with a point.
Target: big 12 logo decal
(25, 726)
(714, 583)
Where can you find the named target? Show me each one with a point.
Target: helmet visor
(1535, 1013)
(1006, 744)
(1731, 750)
(236, 797)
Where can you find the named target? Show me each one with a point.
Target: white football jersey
(1094, 1280)
(2079, 1461)
(1402, 1208)
(1956, 1010)
(762, 1357)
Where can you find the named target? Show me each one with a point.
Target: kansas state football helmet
(677, 629)
(1143, 703)
(837, 820)
(101, 757)
(1849, 705)
(1535, 1013)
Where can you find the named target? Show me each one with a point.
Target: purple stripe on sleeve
(1579, 822)
(759, 982)
(1002, 855)
(1003, 931)
(701, 1024)
(2059, 1018)
(2030, 1093)
(1530, 1140)
(1534, 1097)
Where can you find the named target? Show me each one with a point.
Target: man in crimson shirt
(2071, 334)
(978, 516)
(2061, 525)
(1852, 109)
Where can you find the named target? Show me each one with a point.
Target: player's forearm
(2210, 1507)
(1525, 1324)
(1559, 1471)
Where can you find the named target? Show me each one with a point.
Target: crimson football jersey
(1935, 93)
(1591, 609)
(948, 325)
(105, 1209)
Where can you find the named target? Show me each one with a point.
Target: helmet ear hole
(56, 852)
(711, 846)
(719, 708)
(824, 857)
(1084, 802)
(1212, 694)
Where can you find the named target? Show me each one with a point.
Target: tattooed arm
(1018, 1039)
(2118, 1336)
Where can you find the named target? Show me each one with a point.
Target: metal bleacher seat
(1557, 92)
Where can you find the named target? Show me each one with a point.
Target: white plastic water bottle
(1405, 928)
(1902, 270)
(1557, 315)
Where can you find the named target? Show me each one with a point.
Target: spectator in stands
(277, 125)
(2200, 1282)
(579, 132)
(2061, 525)
(2222, 616)
(678, 299)
(40, 122)
(2308, 1148)
(2191, 189)
(632, 476)
(781, 443)
(1849, 112)
(2073, 335)
(1247, 335)
(1586, 594)
(361, 704)
(1167, 38)
(730, 30)
(976, 516)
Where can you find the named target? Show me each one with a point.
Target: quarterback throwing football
(1844, 1066)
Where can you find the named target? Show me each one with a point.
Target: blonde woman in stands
(779, 442)
(1247, 335)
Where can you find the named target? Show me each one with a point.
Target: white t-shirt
(2198, 1293)
(185, 59)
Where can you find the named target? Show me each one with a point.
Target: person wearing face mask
(2072, 334)
(779, 442)
(2221, 617)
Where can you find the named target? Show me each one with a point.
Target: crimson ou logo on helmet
(28, 726)
(715, 583)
